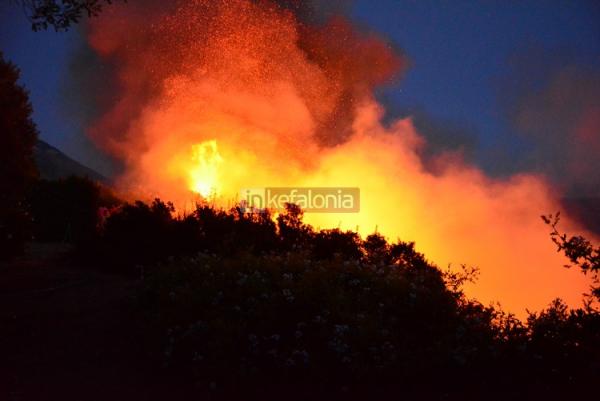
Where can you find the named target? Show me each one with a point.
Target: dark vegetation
(238, 305)
(18, 135)
(67, 210)
(580, 252)
(60, 14)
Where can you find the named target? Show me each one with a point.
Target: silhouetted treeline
(59, 14)
(246, 305)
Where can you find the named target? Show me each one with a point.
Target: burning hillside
(215, 96)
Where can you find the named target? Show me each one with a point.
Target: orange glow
(223, 95)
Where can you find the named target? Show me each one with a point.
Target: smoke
(563, 119)
(279, 98)
(445, 139)
(315, 11)
(557, 114)
(87, 91)
(212, 36)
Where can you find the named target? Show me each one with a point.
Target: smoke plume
(268, 96)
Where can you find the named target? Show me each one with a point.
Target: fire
(204, 172)
(222, 95)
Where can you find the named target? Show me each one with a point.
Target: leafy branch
(580, 251)
(60, 14)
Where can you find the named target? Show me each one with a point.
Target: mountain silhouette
(54, 164)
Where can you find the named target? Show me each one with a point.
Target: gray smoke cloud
(552, 102)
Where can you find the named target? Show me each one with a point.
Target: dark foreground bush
(291, 326)
(15, 229)
(67, 210)
(242, 306)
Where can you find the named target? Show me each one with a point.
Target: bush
(281, 324)
(266, 309)
(292, 320)
(15, 230)
(67, 210)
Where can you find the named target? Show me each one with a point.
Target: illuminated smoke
(256, 98)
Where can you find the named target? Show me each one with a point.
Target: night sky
(469, 63)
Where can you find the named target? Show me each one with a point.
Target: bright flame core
(204, 172)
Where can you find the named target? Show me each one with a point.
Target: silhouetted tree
(293, 232)
(377, 249)
(328, 244)
(138, 234)
(60, 14)
(18, 135)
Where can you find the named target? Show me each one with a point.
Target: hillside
(54, 164)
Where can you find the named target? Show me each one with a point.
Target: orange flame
(204, 174)
(237, 94)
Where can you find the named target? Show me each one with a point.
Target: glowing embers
(203, 174)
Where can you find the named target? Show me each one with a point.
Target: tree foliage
(259, 309)
(60, 14)
(67, 210)
(262, 308)
(18, 135)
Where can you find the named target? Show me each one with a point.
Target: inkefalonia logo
(310, 199)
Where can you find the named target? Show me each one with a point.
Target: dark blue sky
(460, 53)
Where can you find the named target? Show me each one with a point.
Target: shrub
(240, 301)
(287, 318)
(67, 210)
